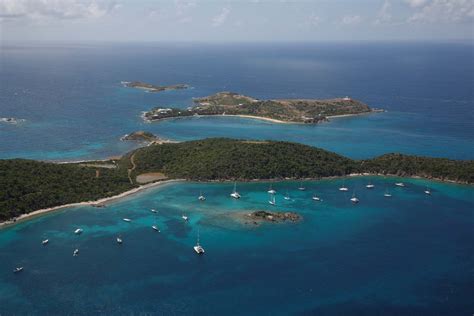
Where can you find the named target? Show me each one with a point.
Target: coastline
(40, 212)
(36, 213)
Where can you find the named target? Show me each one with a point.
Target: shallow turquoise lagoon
(409, 254)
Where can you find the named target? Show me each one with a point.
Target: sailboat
(427, 191)
(75, 253)
(201, 197)
(155, 228)
(301, 188)
(287, 196)
(184, 217)
(272, 200)
(316, 198)
(18, 269)
(271, 191)
(344, 188)
(198, 248)
(128, 220)
(78, 231)
(400, 184)
(370, 185)
(235, 194)
(153, 210)
(387, 193)
(45, 242)
(119, 240)
(354, 199)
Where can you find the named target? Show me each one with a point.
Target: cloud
(221, 17)
(351, 19)
(313, 20)
(444, 11)
(183, 8)
(384, 16)
(60, 9)
(416, 3)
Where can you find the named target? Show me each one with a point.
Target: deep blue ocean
(76, 108)
(411, 254)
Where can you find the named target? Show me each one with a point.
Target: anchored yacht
(78, 231)
(198, 248)
(235, 194)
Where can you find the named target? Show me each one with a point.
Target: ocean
(411, 254)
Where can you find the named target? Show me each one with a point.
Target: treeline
(27, 185)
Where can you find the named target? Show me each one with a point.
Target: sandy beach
(24, 217)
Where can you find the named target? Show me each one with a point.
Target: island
(140, 136)
(153, 88)
(280, 111)
(257, 217)
(28, 186)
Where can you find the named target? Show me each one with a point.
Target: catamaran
(198, 248)
(45, 242)
(370, 186)
(75, 253)
(271, 191)
(235, 194)
(354, 199)
(78, 231)
(272, 200)
(400, 184)
(201, 197)
(185, 218)
(301, 188)
(18, 269)
(343, 188)
(128, 220)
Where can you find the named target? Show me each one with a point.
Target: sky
(231, 21)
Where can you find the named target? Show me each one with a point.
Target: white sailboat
(427, 191)
(400, 184)
(201, 197)
(184, 217)
(370, 185)
(272, 200)
(234, 193)
(198, 248)
(18, 269)
(75, 253)
(128, 220)
(301, 188)
(344, 188)
(155, 227)
(45, 242)
(119, 240)
(153, 210)
(387, 193)
(354, 199)
(316, 198)
(287, 196)
(78, 231)
(271, 191)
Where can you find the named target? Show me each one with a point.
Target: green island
(28, 185)
(140, 136)
(153, 88)
(285, 110)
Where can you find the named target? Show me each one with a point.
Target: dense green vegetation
(27, 185)
(292, 110)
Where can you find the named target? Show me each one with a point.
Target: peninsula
(152, 88)
(282, 111)
(27, 185)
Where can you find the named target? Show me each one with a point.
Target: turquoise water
(411, 254)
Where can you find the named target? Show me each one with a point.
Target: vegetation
(27, 185)
(294, 110)
(140, 136)
(153, 88)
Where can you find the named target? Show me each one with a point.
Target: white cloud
(384, 15)
(61, 9)
(221, 17)
(445, 11)
(183, 8)
(416, 3)
(313, 20)
(351, 19)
